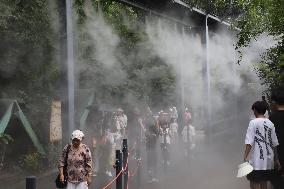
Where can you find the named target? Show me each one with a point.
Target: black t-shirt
(277, 118)
(151, 137)
(151, 131)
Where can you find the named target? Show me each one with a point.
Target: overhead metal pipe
(140, 6)
(202, 12)
(183, 4)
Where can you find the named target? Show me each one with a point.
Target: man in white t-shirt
(120, 121)
(260, 149)
(188, 135)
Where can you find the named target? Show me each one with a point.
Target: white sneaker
(109, 173)
(155, 180)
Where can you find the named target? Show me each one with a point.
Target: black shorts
(260, 175)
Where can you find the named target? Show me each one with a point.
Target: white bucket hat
(77, 134)
(244, 169)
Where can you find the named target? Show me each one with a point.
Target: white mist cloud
(103, 43)
(181, 51)
(186, 54)
(104, 38)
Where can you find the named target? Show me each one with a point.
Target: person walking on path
(188, 139)
(277, 118)
(151, 135)
(260, 147)
(79, 162)
(174, 130)
(267, 112)
(186, 117)
(120, 120)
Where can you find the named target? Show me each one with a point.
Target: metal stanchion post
(31, 182)
(125, 157)
(118, 166)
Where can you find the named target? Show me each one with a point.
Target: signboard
(55, 121)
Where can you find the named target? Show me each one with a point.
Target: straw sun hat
(244, 169)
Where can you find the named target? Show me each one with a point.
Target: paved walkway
(214, 166)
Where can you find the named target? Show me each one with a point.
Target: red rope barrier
(126, 167)
(118, 175)
(130, 174)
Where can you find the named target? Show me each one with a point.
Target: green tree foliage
(253, 18)
(145, 78)
(264, 17)
(5, 139)
(27, 67)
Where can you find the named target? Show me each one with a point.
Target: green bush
(31, 162)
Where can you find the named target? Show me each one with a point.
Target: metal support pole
(31, 182)
(208, 79)
(70, 66)
(182, 67)
(125, 161)
(182, 83)
(118, 166)
(63, 78)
